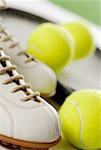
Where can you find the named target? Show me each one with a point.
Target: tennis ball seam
(76, 105)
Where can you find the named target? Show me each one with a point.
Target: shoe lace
(17, 78)
(14, 44)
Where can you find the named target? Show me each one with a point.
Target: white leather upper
(40, 76)
(28, 121)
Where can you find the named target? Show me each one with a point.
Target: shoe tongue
(7, 44)
(14, 51)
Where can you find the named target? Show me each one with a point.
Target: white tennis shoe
(26, 120)
(40, 76)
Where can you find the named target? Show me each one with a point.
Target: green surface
(90, 9)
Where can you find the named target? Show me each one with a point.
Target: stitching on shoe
(51, 122)
(56, 129)
(22, 107)
(10, 117)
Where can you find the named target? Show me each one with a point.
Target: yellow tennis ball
(51, 44)
(80, 116)
(83, 39)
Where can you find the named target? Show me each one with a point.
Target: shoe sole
(48, 95)
(24, 144)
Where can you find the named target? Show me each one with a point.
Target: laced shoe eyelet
(10, 69)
